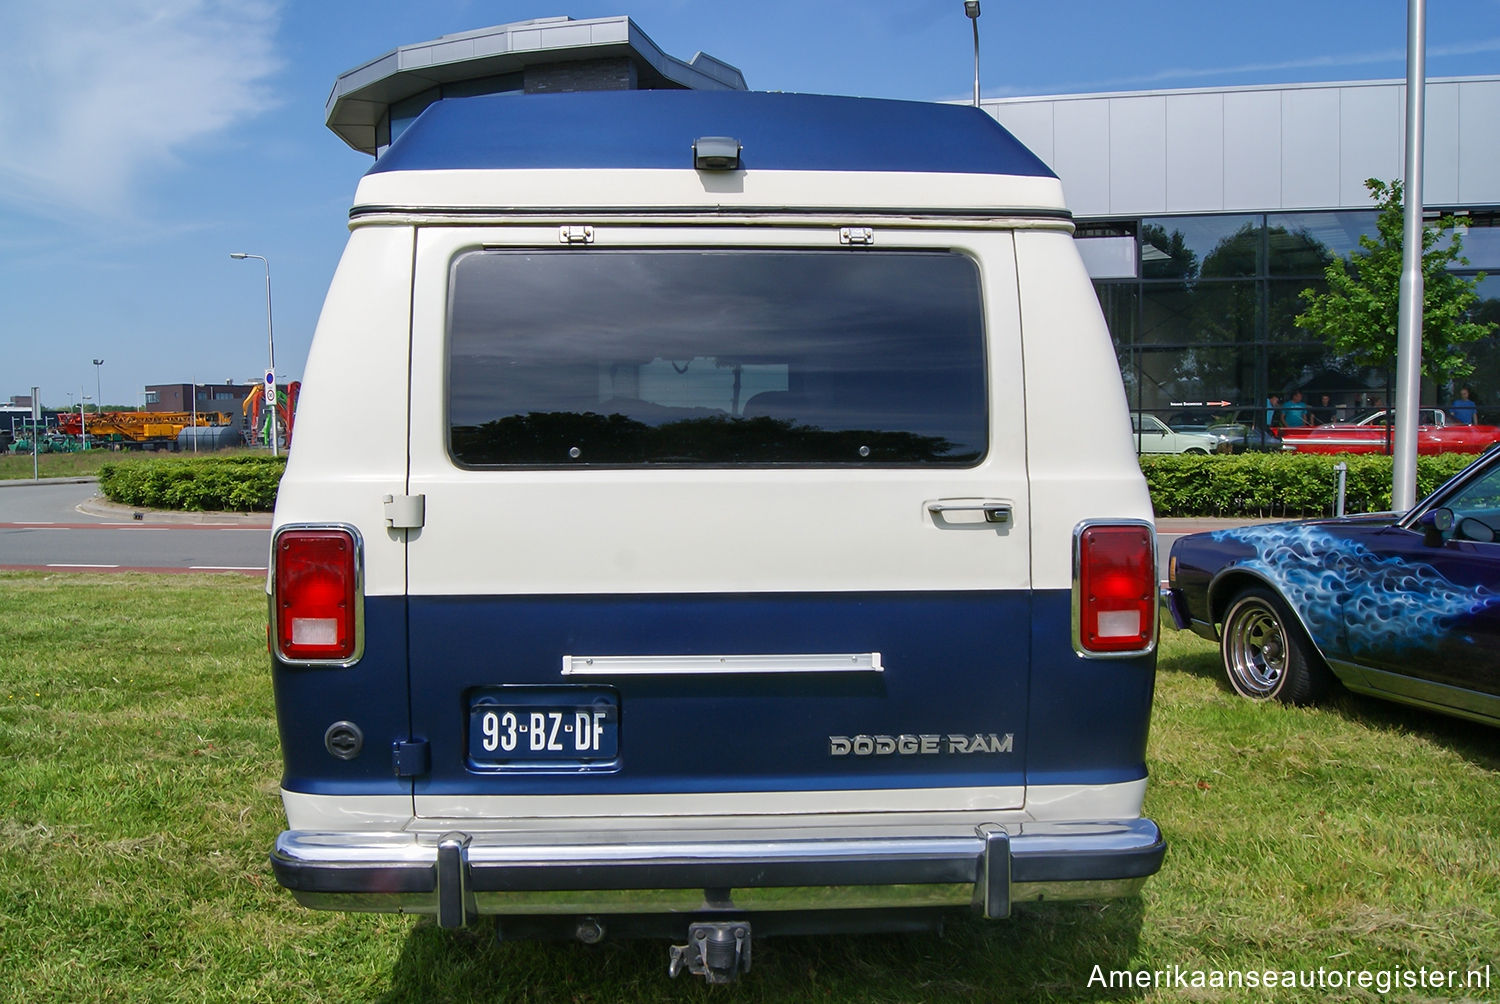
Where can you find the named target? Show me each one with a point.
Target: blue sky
(144, 140)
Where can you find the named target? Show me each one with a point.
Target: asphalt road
(67, 527)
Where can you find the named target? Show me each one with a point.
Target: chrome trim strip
(670, 665)
(1465, 703)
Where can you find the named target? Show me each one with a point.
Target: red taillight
(317, 596)
(1116, 589)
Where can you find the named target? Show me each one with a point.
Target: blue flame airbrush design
(1342, 588)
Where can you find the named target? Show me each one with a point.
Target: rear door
(727, 518)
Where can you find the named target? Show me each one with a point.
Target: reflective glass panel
(1284, 304)
(1195, 385)
(1119, 302)
(1186, 247)
(1303, 243)
(1482, 247)
(1205, 313)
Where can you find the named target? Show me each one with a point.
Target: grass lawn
(17, 466)
(138, 776)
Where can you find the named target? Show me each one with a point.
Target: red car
(1373, 433)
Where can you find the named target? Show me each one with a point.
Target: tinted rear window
(715, 358)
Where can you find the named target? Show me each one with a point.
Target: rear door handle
(994, 512)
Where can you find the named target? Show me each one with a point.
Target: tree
(1359, 312)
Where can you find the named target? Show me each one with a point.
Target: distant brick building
(203, 398)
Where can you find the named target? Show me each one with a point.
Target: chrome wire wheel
(1267, 654)
(1255, 649)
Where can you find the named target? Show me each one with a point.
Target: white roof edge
(760, 192)
(1236, 88)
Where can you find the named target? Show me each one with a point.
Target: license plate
(515, 733)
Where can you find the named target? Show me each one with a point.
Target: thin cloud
(1218, 73)
(100, 93)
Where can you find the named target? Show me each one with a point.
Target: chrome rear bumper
(458, 876)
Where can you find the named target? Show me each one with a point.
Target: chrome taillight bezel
(358, 594)
(1151, 604)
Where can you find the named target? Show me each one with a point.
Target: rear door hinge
(405, 512)
(411, 757)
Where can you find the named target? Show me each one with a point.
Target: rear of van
(718, 552)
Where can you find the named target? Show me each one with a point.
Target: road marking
(226, 568)
(215, 527)
(117, 569)
(66, 564)
(34, 522)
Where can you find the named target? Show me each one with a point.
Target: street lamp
(270, 383)
(98, 397)
(971, 11)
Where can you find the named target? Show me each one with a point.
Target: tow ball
(716, 952)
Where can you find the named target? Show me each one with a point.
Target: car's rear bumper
(457, 876)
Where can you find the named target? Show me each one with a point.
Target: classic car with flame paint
(1374, 432)
(1404, 607)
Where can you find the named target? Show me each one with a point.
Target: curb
(1196, 524)
(124, 513)
(81, 479)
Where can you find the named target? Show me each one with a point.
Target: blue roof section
(655, 129)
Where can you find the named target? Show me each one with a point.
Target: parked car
(1405, 607)
(1152, 435)
(1236, 430)
(1373, 432)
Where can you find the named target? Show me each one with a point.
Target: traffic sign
(271, 388)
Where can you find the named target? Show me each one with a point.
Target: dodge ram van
(712, 556)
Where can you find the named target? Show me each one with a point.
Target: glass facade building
(1202, 309)
(1203, 216)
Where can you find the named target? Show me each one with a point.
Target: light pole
(98, 397)
(270, 383)
(971, 11)
(1409, 310)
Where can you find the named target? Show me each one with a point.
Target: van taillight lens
(1116, 581)
(317, 595)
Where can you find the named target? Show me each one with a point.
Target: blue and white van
(711, 512)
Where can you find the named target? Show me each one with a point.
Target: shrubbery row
(1282, 484)
(1250, 484)
(243, 483)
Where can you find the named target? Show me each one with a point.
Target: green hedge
(1272, 485)
(1277, 485)
(241, 483)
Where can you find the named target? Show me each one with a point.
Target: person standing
(1294, 412)
(1273, 412)
(1464, 408)
(1325, 411)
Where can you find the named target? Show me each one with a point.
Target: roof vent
(716, 153)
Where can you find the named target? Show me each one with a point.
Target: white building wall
(1194, 152)
(1478, 141)
(1259, 149)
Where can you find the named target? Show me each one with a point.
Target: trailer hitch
(718, 952)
